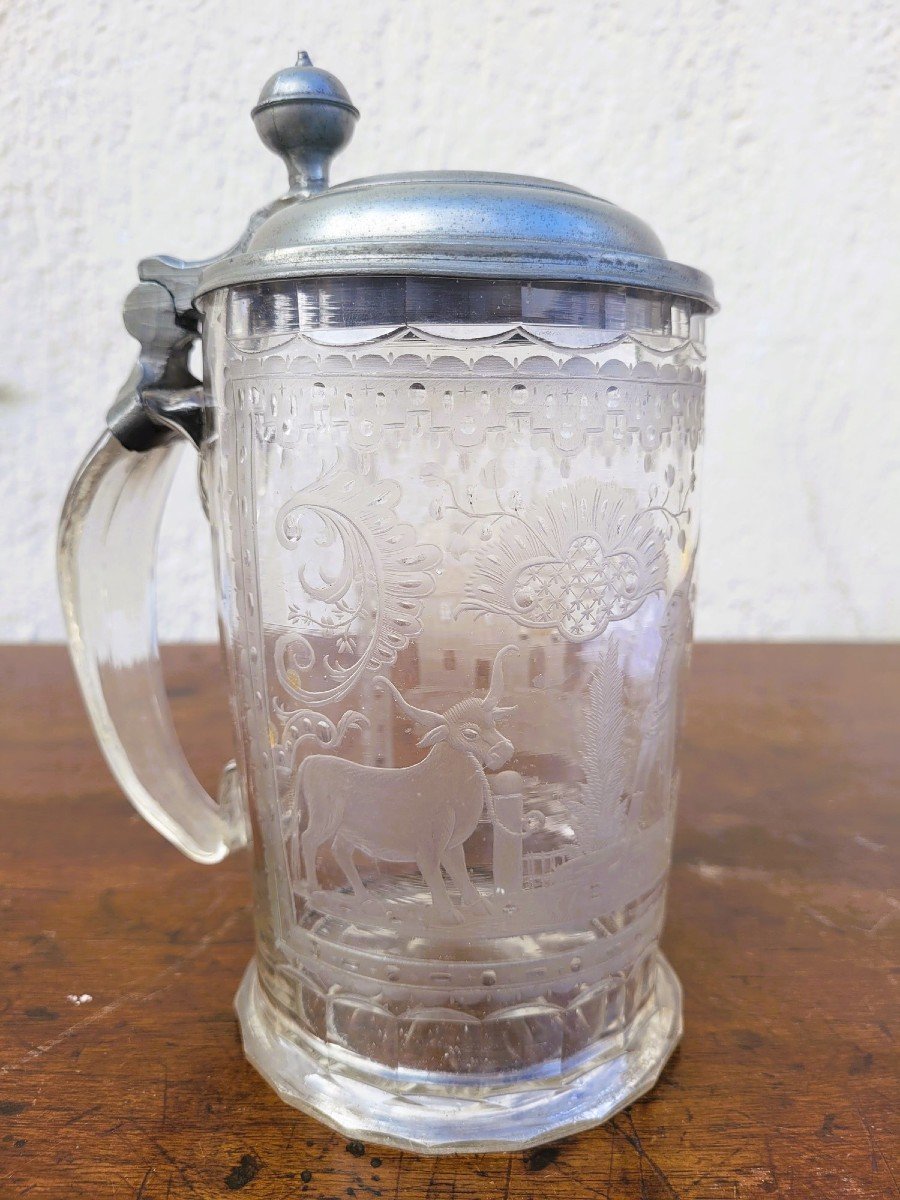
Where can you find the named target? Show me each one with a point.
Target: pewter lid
(444, 223)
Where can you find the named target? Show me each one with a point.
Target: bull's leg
(310, 842)
(343, 852)
(431, 873)
(455, 862)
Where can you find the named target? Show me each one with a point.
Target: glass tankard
(449, 434)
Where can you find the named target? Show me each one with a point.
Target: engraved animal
(422, 813)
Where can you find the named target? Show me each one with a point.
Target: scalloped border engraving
(564, 403)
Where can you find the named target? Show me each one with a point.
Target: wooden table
(122, 1073)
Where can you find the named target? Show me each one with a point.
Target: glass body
(455, 526)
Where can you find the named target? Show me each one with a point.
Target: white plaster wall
(759, 138)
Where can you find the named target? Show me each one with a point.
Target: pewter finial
(305, 116)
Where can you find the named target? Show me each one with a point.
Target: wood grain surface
(782, 922)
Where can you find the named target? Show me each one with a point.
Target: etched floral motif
(585, 556)
(306, 725)
(357, 619)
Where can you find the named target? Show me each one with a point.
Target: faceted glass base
(444, 1115)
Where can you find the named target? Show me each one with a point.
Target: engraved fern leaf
(607, 753)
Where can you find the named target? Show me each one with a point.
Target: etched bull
(423, 813)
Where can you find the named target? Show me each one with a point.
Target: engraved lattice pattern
(589, 589)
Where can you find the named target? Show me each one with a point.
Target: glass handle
(107, 558)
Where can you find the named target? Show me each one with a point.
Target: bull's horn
(495, 691)
(500, 714)
(421, 716)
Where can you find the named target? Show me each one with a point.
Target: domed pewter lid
(440, 223)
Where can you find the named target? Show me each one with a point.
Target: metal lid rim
(531, 261)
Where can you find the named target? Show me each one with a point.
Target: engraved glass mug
(449, 435)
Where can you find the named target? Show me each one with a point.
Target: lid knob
(305, 116)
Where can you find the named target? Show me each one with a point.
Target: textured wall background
(755, 136)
